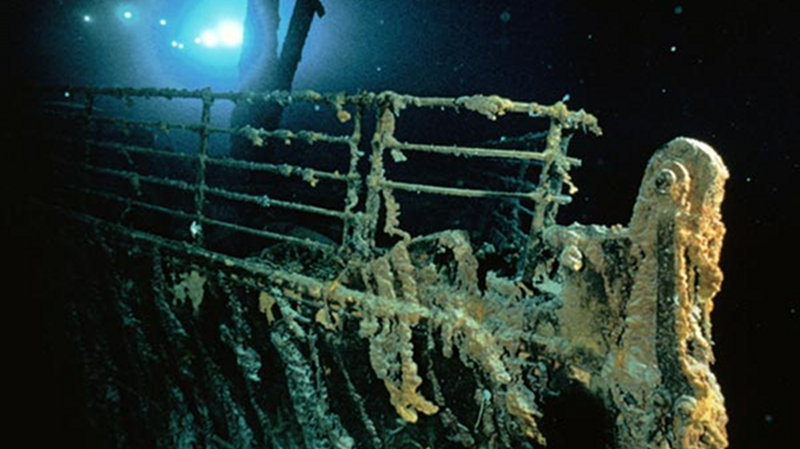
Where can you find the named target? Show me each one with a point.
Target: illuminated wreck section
(364, 290)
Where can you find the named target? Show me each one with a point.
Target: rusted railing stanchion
(384, 130)
(352, 231)
(196, 228)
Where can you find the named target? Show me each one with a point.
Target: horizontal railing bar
(472, 193)
(265, 201)
(286, 170)
(158, 124)
(247, 131)
(261, 274)
(268, 234)
(188, 216)
(236, 196)
(523, 139)
(140, 149)
(129, 175)
(490, 106)
(134, 176)
(479, 152)
(257, 135)
(124, 148)
(138, 203)
(285, 97)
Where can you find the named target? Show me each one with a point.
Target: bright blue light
(209, 38)
(216, 28)
(230, 33)
(227, 34)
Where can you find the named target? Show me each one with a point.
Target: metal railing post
(550, 184)
(352, 229)
(196, 228)
(384, 130)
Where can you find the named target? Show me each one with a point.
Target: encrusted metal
(350, 325)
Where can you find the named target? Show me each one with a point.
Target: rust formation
(344, 300)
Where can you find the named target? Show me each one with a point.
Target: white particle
(748, 179)
(174, 43)
(589, 36)
(196, 229)
(162, 22)
(664, 90)
(673, 49)
(678, 10)
(87, 18)
(378, 68)
(66, 94)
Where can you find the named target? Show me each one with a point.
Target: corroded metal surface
(380, 336)
(638, 299)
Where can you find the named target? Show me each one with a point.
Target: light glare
(230, 33)
(209, 38)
